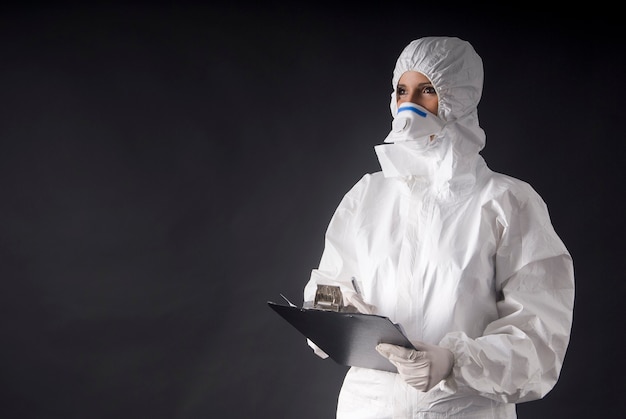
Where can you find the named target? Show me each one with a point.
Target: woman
(465, 259)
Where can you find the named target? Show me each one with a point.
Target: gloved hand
(423, 368)
(317, 350)
(356, 300)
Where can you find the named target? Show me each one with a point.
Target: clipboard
(349, 339)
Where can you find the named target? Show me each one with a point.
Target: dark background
(166, 170)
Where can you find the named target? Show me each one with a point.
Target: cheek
(433, 106)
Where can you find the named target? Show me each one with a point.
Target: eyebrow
(419, 85)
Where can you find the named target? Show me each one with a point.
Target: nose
(413, 97)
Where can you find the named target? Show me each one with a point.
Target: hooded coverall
(461, 256)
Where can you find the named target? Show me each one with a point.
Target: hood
(456, 72)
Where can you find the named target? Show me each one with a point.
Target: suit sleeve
(338, 263)
(519, 356)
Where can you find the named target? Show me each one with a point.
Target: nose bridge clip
(411, 107)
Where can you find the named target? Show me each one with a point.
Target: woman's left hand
(423, 367)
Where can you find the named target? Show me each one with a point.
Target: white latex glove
(317, 350)
(356, 300)
(423, 368)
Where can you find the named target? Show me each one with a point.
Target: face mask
(414, 123)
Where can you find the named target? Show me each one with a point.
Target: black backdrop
(166, 170)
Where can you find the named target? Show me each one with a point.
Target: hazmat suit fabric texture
(462, 257)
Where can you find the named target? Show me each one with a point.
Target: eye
(429, 90)
(401, 91)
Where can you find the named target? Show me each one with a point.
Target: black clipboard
(348, 338)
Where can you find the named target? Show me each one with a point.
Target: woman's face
(415, 87)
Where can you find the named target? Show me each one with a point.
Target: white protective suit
(460, 256)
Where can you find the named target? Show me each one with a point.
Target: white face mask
(414, 123)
